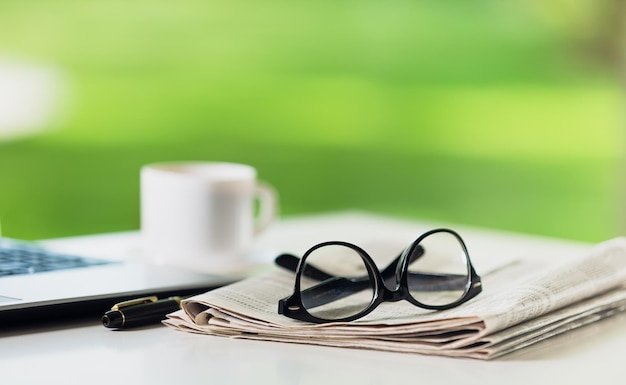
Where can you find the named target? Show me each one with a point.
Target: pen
(138, 312)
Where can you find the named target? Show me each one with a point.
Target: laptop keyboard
(27, 259)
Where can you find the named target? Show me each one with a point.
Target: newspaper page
(523, 302)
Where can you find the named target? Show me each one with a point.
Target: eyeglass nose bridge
(393, 295)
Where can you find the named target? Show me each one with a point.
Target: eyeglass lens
(440, 275)
(347, 290)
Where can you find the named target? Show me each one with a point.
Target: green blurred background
(489, 113)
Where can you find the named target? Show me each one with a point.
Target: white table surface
(83, 352)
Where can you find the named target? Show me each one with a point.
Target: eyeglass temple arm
(334, 288)
(436, 282)
(290, 262)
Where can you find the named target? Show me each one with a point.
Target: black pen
(140, 311)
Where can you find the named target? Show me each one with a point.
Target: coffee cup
(203, 214)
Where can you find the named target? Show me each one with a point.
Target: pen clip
(133, 302)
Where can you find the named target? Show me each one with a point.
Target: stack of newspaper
(523, 302)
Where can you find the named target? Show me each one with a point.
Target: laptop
(37, 283)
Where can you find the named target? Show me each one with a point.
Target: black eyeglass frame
(293, 307)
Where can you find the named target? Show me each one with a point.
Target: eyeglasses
(339, 282)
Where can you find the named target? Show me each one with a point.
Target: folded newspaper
(523, 302)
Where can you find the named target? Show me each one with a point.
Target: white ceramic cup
(202, 214)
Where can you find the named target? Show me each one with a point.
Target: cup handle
(268, 206)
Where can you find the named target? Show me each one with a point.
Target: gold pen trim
(133, 302)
